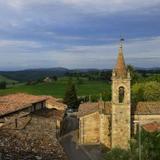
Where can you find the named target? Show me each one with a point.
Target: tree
(152, 91)
(149, 91)
(55, 78)
(134, 74)
(150, 145)
(3, 85)
(70, 98)
(137, 92)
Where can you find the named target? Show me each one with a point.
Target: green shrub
(3, 85)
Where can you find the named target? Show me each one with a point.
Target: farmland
(58, 88)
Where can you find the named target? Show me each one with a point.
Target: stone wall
(120, 126)
(89, 129)
(105, 130)
(121, 113)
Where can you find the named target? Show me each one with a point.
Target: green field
(7, 80)
(58, 88)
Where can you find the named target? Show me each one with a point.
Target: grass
(58, 88)
(7, 80)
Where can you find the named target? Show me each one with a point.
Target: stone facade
(105, 130)
(89, 132)
(113, 123)
(121, 112)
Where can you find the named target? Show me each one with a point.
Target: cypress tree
(70, 98)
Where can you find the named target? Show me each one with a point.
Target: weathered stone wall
(121, 114)
(89, 129)
(120, 126)
(105, 130)
(116, 83)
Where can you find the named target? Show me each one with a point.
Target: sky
(78, 33)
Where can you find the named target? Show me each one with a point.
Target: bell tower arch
(121, 103)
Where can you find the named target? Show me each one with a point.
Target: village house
(16, 107)
(113, 123)
(30, 126)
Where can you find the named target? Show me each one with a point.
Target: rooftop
(152, 127)
(142, 108)
(14, 102)
(89, 108)
(55, 103)
(147, 108)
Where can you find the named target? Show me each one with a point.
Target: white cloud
(143, 52)
(93, 6)
(99, 56)
(52, 23)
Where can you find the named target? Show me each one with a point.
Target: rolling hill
(7, 80)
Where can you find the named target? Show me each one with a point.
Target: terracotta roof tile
(14, 102)
(89, 108)
(147, 108)
(53, 102)
(152, 127)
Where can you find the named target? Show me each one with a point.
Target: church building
(113, 123)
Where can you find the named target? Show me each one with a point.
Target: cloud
(77, 33)
(88, 5)
(142, 52)
(139, 52)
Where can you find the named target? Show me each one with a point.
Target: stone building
(15, 108)
(113, 123)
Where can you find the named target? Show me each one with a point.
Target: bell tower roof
(120, 68)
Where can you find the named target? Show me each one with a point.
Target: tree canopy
(70, 97)
(147, 91)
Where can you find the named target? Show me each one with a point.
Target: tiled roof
(147, 108)
(53, 102)
(142, 108)
(89, 108)
(152, 127)
(14, 102)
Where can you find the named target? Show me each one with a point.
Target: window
(121, 94)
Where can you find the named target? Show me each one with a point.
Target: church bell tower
(121, 103)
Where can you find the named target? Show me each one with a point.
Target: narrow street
(73, 152)
(70, 144)
(68, 141)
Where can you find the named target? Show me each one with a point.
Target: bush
(150, 147)
(3, 85)
(117, 154)
(149, 91)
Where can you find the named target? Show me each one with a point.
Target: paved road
(68, 141)
(69, 124)
(73, 152)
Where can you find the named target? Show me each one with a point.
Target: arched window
(121, 94)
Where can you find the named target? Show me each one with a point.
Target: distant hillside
(35, 74)
(9, 81)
